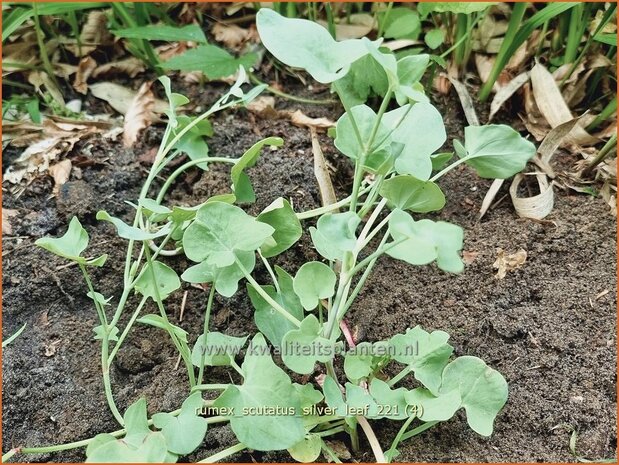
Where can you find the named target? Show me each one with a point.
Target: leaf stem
(182, 350)
(374, 444)
(400, 376)
(185, 167)
(224, 453)
(267, 265)
(331, 207)
(449, 168)
(420, 429)
(398, 438)
(266, 296)
(126, 330)
(207, 317)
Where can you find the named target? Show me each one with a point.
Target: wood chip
(321, 171)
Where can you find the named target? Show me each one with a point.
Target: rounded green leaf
(268, 320)
(434, 38)
(166, 277)
(434, 408)
(307, 450)
(185, 432)
(283, 219)
(219, 230)
(411, 68)
(264, 410)
(303, 347)
(219, 349)
(422, 242)
(410, 193)
(346, 140)
(420, 134)
(225, 279)
(70, 245)
(402, 22)
(495, 151)
(427, 353)
(334, 234)
(314, 281)
(483, 391)
(393, 401)
(308, 45)
(358, 361)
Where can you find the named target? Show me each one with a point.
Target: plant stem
(267, 265)
(98, 307)
(381, 27)
(607, 112)
(294, 98)
(374, 444)
(363, 278)
(329, 208)
(223, 454)
(330, 432)
(602, 154)
(418, 430)
(41, 42)
(266, 296)
(330, 20)
(186, 357)
(448, 169)
(400, 376)
(398, 438)
(360, 162)
(127, 329)
(210, 387)
(514, 25)
(176, 173)
(329, 452)
(207, 317)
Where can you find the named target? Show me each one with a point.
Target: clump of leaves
(300, 313)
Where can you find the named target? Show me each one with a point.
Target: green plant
(301, 316)
(14, 336)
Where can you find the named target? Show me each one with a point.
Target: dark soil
(542, 326)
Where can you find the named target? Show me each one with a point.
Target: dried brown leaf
(466, 101)
(508, 262)
(129, 66)
(7, 214)
(537, 206)
(553, 107)
(139, 115)
(298, 118)
(85, 68)
(120, 97)
(263, 106)
(551, 143)
(231, 35)
(490, 195)
(95, 31)
(506, 91)
(60, 172)
(469, 257)
(41, 79)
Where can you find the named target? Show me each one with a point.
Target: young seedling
(300, 315)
